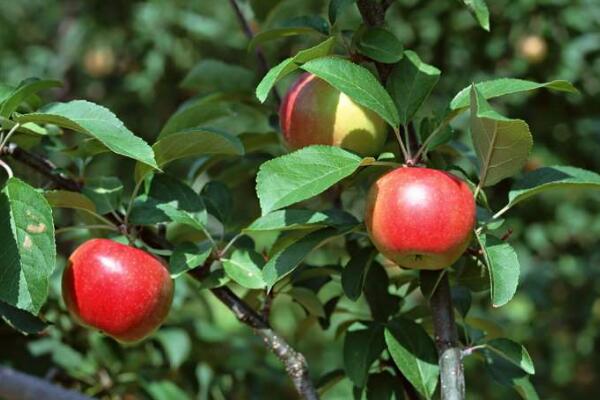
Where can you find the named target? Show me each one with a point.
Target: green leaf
(25, 89)
(213, 279)
(211, 75)
(414, 353)
(410, 83)
(287, 259)
(218, 199)
(381, 302)
(361, 348)
(301, 175)
(329, 380)
(196, 112)
(20, 320)
(166, 196)
(315, 22)
(358, 83)
(290, 65)
(278, 33)
(245, 267)
(64, 356)
(191, 142)
(555, 177)
(504, 86)
(507, 374)
(308, 300)
(66, 199)
(480, 11)
(462, 299)
(164, 390)
(336, 7)
(105, 192)
(379, 44)
(354, 273)
(292, 219)
(98, 122)
(503, 266)
(28, 252)
(502, 145)
(188, 256)
(383, 386)
(513, 352)
(177, 345)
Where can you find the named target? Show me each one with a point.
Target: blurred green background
(132, 57)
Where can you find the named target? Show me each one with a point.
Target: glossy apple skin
(314, 112)
(420, 218)
(118, 289)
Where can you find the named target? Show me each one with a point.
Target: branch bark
(446, 339)
(16, 385)
(294, 362)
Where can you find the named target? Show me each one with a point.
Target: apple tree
(367, 201)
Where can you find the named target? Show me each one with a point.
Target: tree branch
(260, 55)
(373, 14)
(294, 362)
(42, 165)
(446, 339)
(16, 385)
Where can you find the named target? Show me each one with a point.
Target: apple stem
(436, 131)
(228, 245)
(446, 339)
(4, 140)
(408, 144)
(7, 168)
(405, 154)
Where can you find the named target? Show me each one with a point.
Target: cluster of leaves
(314, 253)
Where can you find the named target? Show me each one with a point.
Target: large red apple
(420, 218)
(314, 112)
(118, 289)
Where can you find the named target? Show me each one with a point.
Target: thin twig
(78, 227)
(260, 55)
(294, 361)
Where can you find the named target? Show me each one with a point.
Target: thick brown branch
(294, 362)
(16, 385)
(446, 339)
(373, 14)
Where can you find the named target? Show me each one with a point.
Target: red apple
(420, 218)
(118, 289)
(314, 112)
